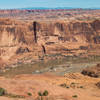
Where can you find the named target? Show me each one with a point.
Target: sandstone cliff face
(70, 31)
(13, 34)
(51, 37)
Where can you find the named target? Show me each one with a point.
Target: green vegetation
(42, 94)
(64, 85)
(81, 87)
(74, 96)
(67, 87)
(45, 93)
(2, 91)
(72, 85)
(40, 65)
(29, 94)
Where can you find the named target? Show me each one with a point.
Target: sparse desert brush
(64, 85)
(45, 93)
(74, 96)
(29, 94)
(10, 95)
(42, 94)
(81, 87)
(72, 85)
(2, 91)
(67, 87)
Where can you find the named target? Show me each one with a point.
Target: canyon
(40, 38)
(53, 50)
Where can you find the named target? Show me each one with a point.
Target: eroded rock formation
(92, 72)
(66, 37)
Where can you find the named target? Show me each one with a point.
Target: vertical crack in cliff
(43, 48)
(35, 31)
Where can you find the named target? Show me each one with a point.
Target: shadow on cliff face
(22, 50)
(35, 31)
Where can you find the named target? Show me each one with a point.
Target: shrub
(2, 91)
(72, 85)
(63, 85)
(45, 93)
(67, 87)
(29, 94)
(40, 94)
(81, 87)
(74, 96)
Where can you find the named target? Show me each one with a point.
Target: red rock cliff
(52, 37)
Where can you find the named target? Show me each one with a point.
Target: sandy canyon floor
(73, 86)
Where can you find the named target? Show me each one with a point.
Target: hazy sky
(49, 3)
